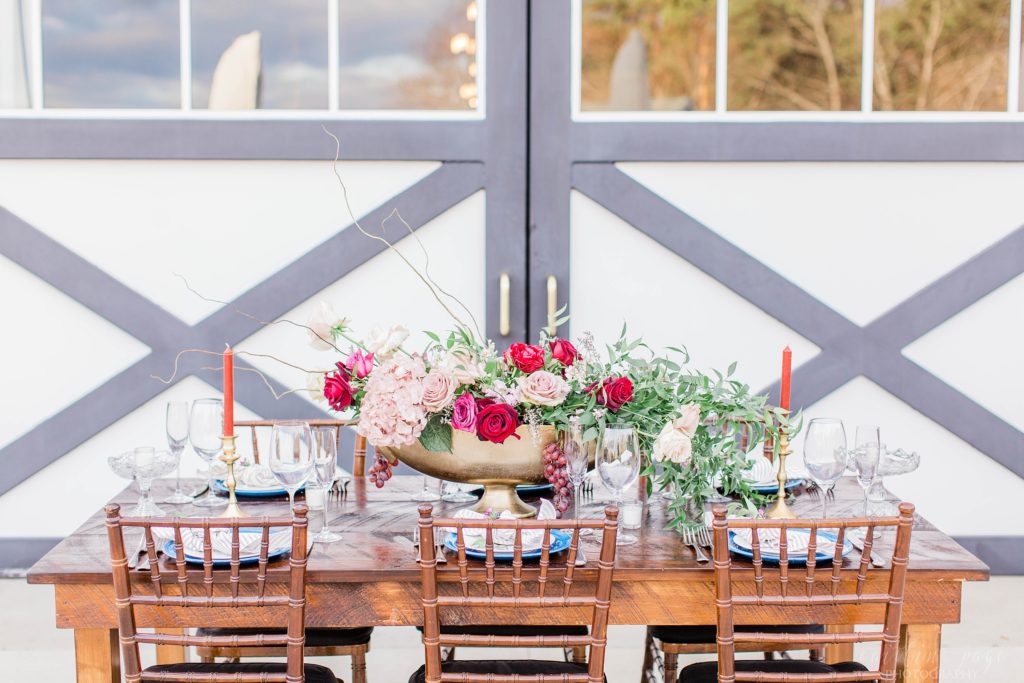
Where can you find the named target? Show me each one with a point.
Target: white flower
(321, 325)
(463, 364)
(384, 342)
(315, 385)
(675, 440)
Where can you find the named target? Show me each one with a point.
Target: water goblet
(143, 464)
(866, 456)
(825, 455)
(325, 462)
(425, 495)
(177, 436)
(291, 455)
(577, 460)
(206, 422)
(618, 463)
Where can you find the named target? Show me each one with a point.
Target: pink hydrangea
(392, 411)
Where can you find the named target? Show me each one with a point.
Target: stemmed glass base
(456, 494)
(425, 495)
(147, 507)
(624, 538)
(179, 497)
(325, 535)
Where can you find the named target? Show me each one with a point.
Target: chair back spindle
(174, 589)
(831, 593)
(508, 589)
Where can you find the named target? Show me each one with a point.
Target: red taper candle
(787, 366)
(229, 391)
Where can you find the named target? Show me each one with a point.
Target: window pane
(408, 54)
(943, 55)
(15, 35)
(265, 54)
(111, 53)
(648, 54)
(802, 55)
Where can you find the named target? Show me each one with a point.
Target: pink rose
(464, 413)
(359, 363)
(438, 390)
(543, 388)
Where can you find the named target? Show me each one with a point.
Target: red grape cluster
(555, 472)
(380, 471)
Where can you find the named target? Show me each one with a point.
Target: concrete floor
(987, 646)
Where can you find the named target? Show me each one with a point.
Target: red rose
(496, 422)
(563, 351)
(614, 392)
(526, 357)
(337, 389)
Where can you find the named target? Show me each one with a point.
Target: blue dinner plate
(798, 558)
(225, 562)
(560, 541)
(772, 488)
(219, 487)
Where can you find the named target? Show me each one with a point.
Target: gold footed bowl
(499, 468)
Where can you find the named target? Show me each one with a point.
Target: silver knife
(858, 543)
(133, 561)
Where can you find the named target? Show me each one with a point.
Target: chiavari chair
(176, 589)
(664, 644)
(320, 642)
(489, 588)
(792, 590)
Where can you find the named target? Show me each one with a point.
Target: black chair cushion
(315, 637)
(707, 672)
(705, 635)
(506, 667)
(514, 630)
(314, 672)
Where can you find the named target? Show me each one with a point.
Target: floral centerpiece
(461, 390)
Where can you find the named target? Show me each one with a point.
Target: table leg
(839, 652)
(97, 659)
(918, 659)
(172, 654)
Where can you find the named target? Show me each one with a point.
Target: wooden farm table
(371, 578)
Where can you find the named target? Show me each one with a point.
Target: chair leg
(769, 656)
(579, 654)
(359, 667)
(647, 671)
(818, 655)
(448, 655)
(671, 666)
(207, 660)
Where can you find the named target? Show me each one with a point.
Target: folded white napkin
(504, 539)
(257, 477)
(762, 472)
(797, 541)
(220, 540)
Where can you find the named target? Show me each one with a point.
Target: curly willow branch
(277, 396)
(250, 316)
(355, 222)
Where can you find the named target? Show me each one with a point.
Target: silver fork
(689, 538)
(705, 538)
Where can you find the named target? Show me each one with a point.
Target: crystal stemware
(825, 454)
(206, 421)
(177, 436)
(618, 463)
(453, 492)
(866, 456)
(291, 455)
(425, 495)
(143, 464)
(325, 463)
(577, 460)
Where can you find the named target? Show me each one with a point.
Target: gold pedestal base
(229, 457)
(499, 497)
(780, 510)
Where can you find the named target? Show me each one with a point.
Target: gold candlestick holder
(780, 510)
(229, 457)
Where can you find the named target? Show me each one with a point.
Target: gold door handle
(552, 306)
(504, 314)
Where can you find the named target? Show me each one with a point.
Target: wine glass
(453, 492)
(866, 456)
(577, 460)
(291, 455)
(177, 437)
(618, 463)
(325, 462)
(206, 421)
(825, 455)
(425, 495)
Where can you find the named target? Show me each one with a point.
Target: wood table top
(377, 525)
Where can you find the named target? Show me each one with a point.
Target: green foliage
(437, 435)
